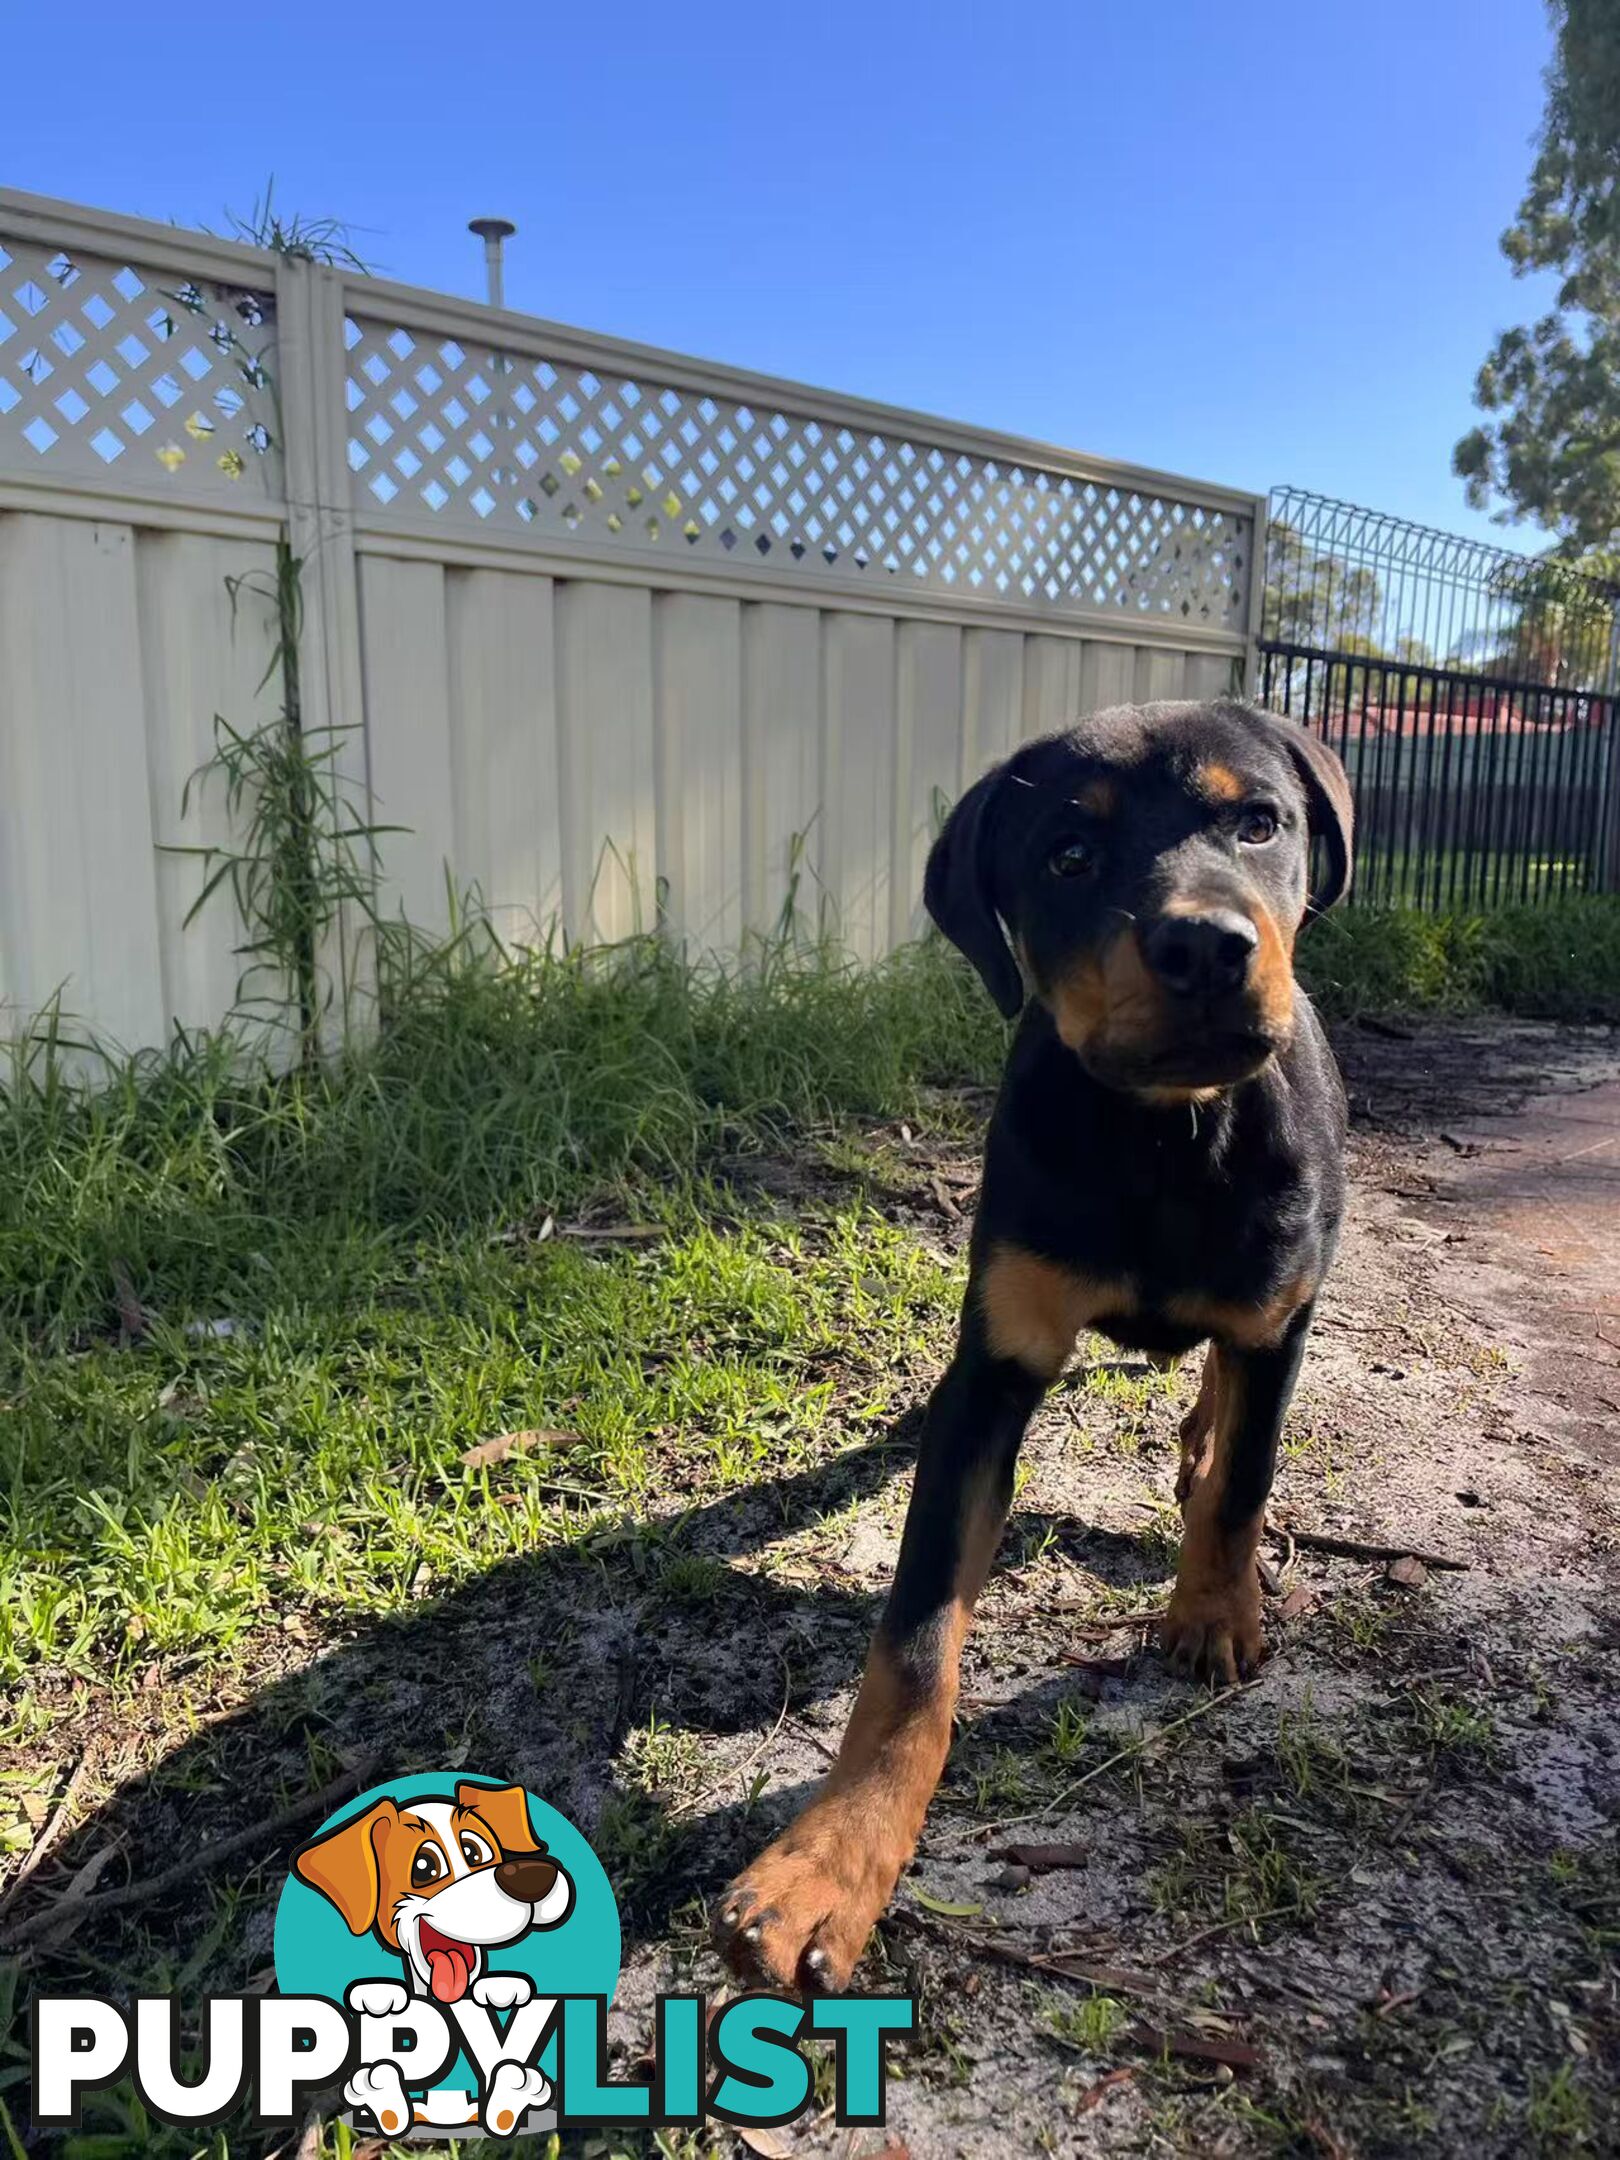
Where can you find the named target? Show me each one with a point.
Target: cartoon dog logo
(439, 1882)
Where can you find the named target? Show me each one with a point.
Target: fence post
(320, 531)
(1254, 625)
(1608, 863)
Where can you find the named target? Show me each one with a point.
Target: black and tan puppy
(1163, 1166)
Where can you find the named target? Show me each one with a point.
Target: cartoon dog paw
(380, 2090)
(514, 2088)
(377, 1998)
(502, 1991)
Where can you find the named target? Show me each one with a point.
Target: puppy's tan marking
(1111, 1002)
(1033, 1309)
(1249, 1327)
(1099, 797)
(1219, 782)
(1212, 1624)
(810, 1900)
(1272, 972)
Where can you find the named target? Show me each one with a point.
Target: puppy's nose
(1204, 955)
(527, 1879)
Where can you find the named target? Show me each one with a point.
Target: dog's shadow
(640, 1643)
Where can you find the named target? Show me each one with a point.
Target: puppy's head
(1146, 874)
(440, 1880)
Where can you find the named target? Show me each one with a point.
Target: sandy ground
(1421, 1792)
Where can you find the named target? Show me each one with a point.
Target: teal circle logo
(448, 1911)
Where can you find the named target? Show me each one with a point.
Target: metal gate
(1470, 693)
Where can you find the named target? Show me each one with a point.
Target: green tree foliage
(1550, 446)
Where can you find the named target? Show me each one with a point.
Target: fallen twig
(1137, 1747)
(1221, 1927)
(1346, 1548)
(48, 1836)
(1194, 2047)
(198, 1863)
(690, 1807)
(1094, 2095)
(1062, 1965)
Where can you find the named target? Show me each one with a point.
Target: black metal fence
(1470, 692)
(1470, 790)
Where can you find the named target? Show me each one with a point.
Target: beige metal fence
(620, 636)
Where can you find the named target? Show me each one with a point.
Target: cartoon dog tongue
(449, 1967)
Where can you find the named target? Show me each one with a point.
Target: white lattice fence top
(478, 438)
(132, 375)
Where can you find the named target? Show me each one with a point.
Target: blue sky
(1253, 243)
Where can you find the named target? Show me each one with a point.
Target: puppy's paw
(1214, 1633)
(502, 1991)
(379, 2089)
(800, 1916)
(377, 1998)
(513, 2090)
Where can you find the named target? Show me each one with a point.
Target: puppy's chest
(1162, 1227)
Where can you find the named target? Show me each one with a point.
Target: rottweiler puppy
(1164, 1166)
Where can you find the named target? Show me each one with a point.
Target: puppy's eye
(427, 1867)
(474, 1851)
(1073, 858)
(1258, 824)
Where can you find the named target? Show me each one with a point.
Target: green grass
(373, 1240)
(1556, 962)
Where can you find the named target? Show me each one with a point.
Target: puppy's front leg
(801, 1914)
(1212, 1625)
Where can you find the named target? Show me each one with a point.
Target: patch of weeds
(1558, 2114)
(637, 1843)
(1359, 1623)
(694, 1579)
(1067, 1732)
(1089, 2022)
(662, 1762)
(1447, 1726)
(1159, 1539)
(1243, 1870)
(1003, 1784)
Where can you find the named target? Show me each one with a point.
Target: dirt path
(1387, 1869)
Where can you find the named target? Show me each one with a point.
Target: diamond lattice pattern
(489, 439)
(131, 375)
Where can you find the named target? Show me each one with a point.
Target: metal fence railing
(1471, 790)
(1340, 578)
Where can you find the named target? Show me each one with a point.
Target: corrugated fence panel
(78, 863)
(606, 766)
(927, 774)
(501, 648)
(697, 705)
(202, 654)
(992, 698)
(403, 638)
(783, 829)
(857, 776)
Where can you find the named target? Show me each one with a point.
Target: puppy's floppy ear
(1327, 797)
(958, 892)
(505, 1809)
(342, 1865)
